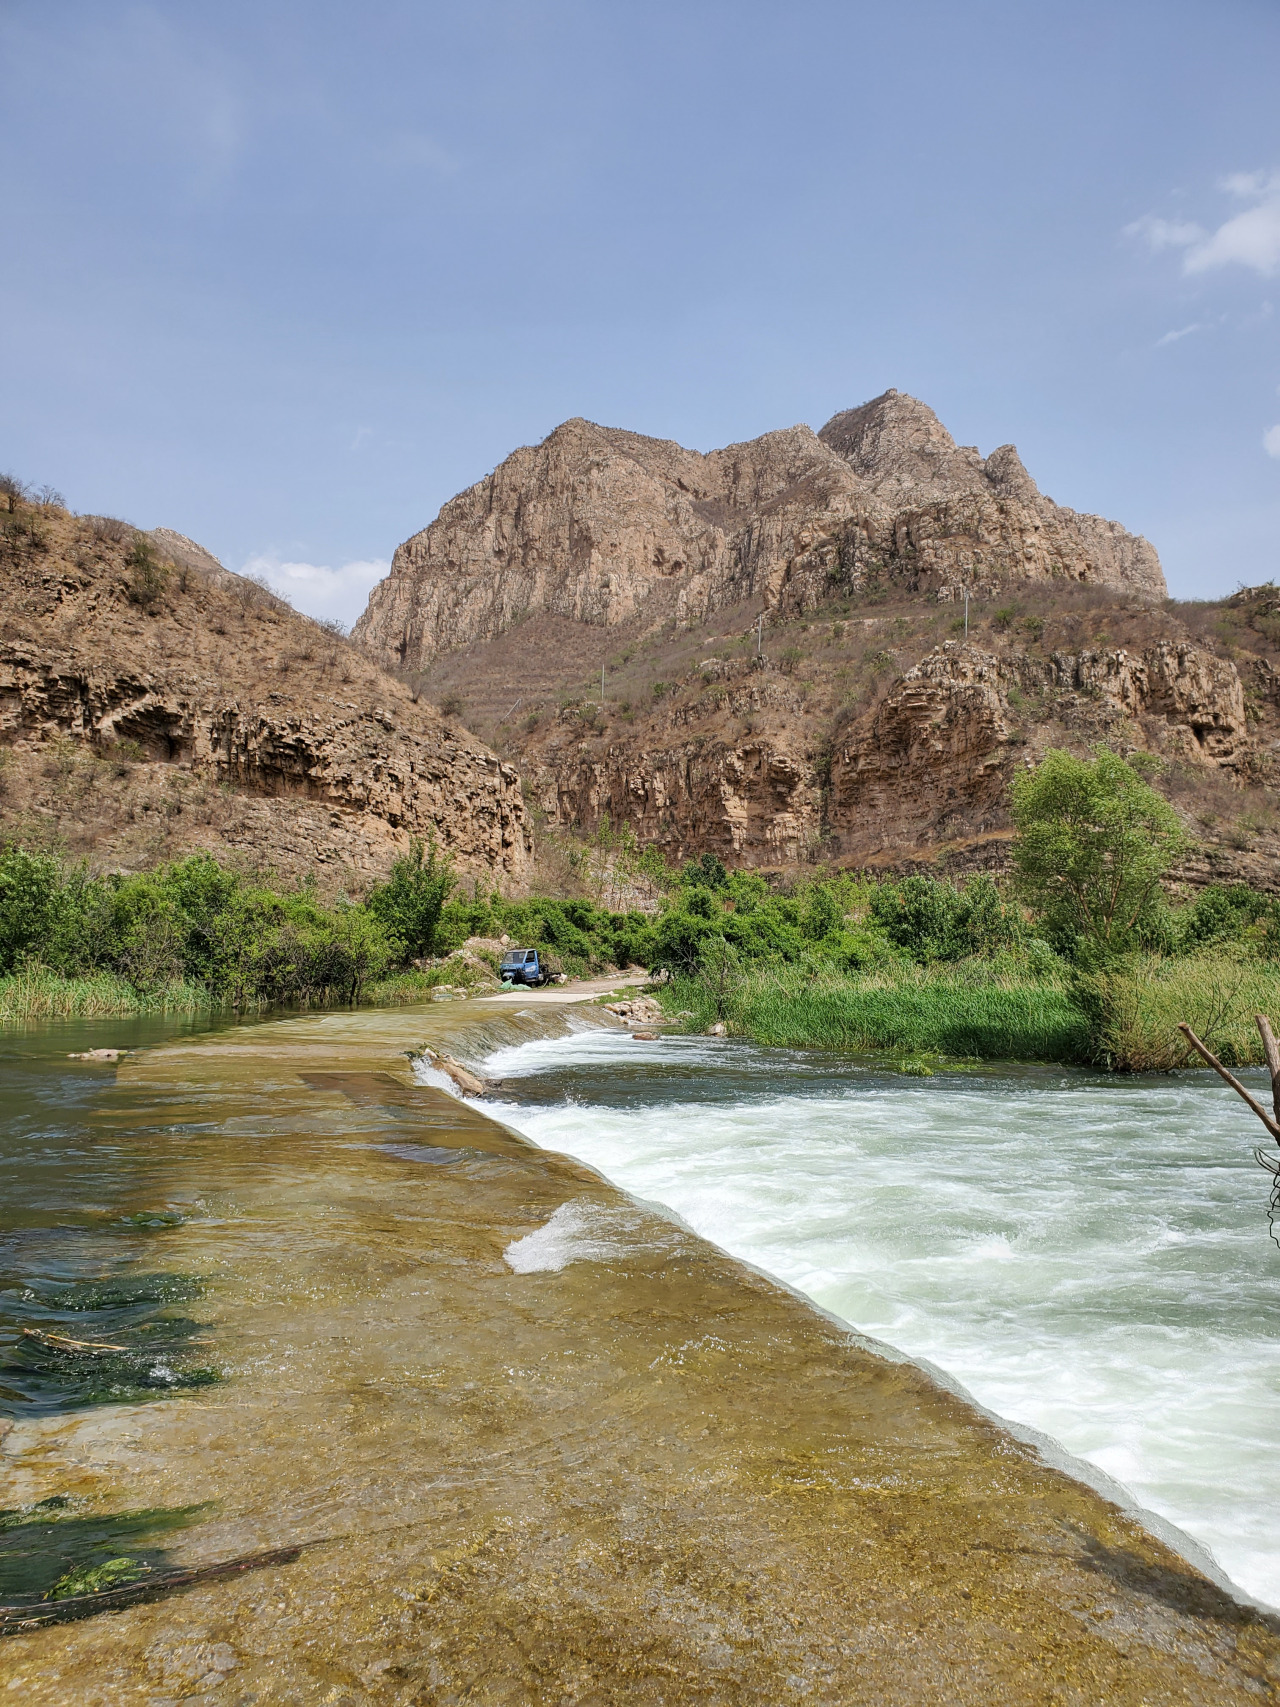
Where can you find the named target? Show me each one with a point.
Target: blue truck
(523, 966)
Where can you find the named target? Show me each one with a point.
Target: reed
(907, 1012)
(37, 993)
(1134, 1011)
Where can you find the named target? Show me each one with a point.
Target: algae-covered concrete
(607, 1465)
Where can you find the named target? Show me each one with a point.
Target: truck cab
(523, 966)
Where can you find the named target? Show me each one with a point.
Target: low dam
(350, 1392)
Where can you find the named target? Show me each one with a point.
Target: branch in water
(14, 1620)
(1206, 1054)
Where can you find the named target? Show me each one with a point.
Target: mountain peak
(899, 446)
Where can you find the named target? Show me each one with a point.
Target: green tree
(1093, 842)
(30, 903)
(410, 902)
(148, 575)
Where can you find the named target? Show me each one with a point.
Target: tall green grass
(907, 1011)
(1125, 1019)
(37, 993)
(1133, 1012)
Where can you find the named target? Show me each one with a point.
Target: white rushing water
(1087, 1257)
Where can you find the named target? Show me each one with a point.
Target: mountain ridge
(606, 527)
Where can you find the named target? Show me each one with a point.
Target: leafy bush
(187, 924)
(1094, 841)
(147, 576)
(709, 871)
(934, 920)
(586, 937)
(1224, 913)
(410, 902)
(30, 903)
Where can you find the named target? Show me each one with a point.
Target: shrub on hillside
(410, 902)
(146, 576)
(1094, 841)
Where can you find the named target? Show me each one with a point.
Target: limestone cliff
(152, 707)
(876, 733)
(606, 527)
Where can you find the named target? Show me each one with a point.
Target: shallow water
(1088, 1256)
(486, 1428)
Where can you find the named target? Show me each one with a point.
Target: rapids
(1088, 1256)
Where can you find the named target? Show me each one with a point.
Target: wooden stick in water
(1272, 1052)
(64, 1342)
(1206, 1054)
(16, 1620)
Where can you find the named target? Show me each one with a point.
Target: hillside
(787, 673)
(153, 703)
(872, 732)
(788, 678)
(607, 528)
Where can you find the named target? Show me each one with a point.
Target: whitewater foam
(1087, 1257)
(577, 1232)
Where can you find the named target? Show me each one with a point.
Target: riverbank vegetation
(914, 1013)
(1080, 955)
(193, 934)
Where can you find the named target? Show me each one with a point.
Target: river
(462, 1419)
(1087, 1255)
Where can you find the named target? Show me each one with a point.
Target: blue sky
(287, 276)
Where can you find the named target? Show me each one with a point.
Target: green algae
(50, 1357)
(58, 1549)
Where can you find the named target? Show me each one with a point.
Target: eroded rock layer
(149, 709)
(890, 739)
(604, 526)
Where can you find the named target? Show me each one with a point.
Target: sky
(285, 276)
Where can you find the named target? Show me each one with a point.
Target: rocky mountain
(153, 703)
(874, 732)
(757, 652)
(787, 673)
(608, 528)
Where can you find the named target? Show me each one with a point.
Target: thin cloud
(1182, 332)
(1250, 238)
(1271, 441)
(1165, 233)
(316, 588)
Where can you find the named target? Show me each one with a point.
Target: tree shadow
(1184, 1591)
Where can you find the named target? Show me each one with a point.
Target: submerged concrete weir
(556, 1447)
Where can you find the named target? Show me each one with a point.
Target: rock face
(765, 768)
(190, 709)
(755, 801)
(933, 762)
(604, 526)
